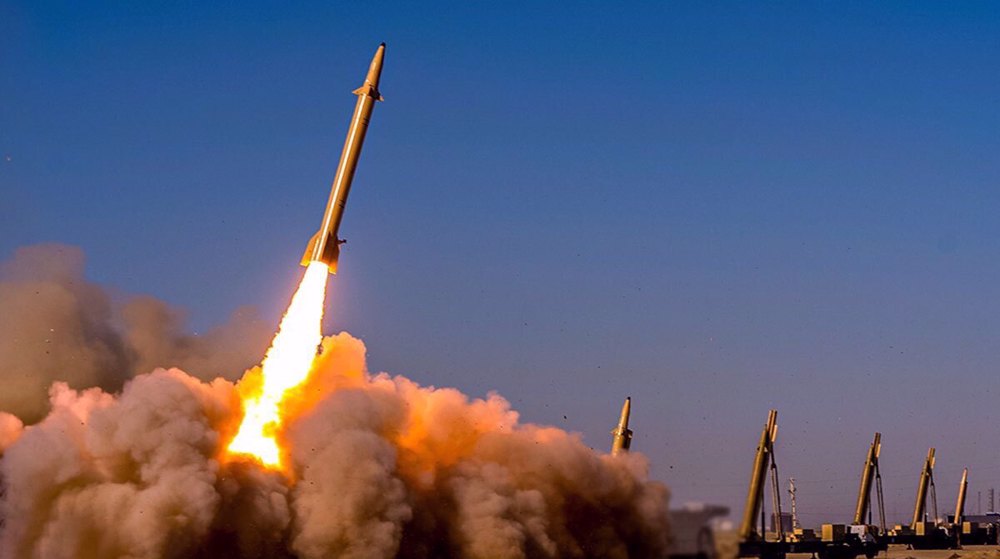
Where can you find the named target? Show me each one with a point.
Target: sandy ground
(726, 545)
(967, 552)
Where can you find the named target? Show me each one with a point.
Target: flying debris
(325, 245)
(622, 434)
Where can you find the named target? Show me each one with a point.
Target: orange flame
(285, 366)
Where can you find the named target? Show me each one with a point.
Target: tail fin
(329, 256)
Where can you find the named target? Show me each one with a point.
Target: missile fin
(329, 256)
(307, 255)
(369, 91)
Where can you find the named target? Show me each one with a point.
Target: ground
(967, 552)
(726, 546)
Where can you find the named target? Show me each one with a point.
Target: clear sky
(717, 208)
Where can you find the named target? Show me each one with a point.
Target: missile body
(755, 495)
(867, 475)
(325, 245)
(925, 479)
(963, 486)
(622, 434)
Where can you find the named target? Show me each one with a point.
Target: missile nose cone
(626, 412)
(623, 435)
(370, 87)
(375, 70)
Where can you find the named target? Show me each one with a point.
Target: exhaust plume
(373, 465)
(380, 467)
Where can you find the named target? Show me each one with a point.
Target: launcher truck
(924, 533)
(835, 541)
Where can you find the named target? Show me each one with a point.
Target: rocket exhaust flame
(285, 366)
(292, 352)
(291, 355)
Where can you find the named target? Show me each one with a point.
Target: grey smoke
(57, 326)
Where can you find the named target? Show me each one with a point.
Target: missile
(926, 477)
(325, 245)
(864, 493)
(622, 434)
(963, 486)
(755, 494)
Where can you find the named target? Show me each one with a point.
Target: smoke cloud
(10, 430)
(57, 326)
(381, 467)
(123, 454)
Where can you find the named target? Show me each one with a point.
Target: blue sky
(717, 208)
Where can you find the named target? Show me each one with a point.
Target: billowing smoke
(55, 325)
(10, 430)
(379, 466)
